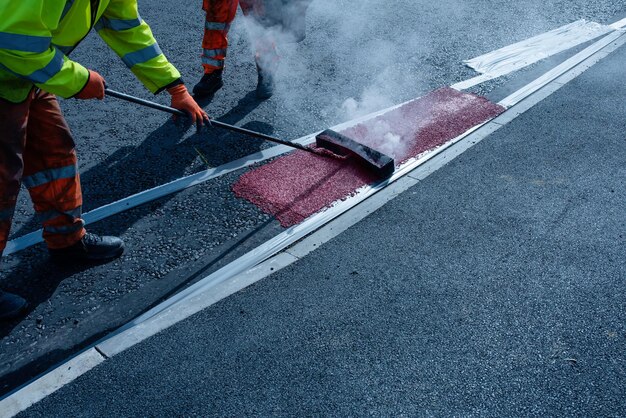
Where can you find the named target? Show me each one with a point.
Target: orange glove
(94, 89)
(182, 100)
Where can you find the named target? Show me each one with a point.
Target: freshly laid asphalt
(495, 287)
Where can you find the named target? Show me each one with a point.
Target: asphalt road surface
(495, 287)
(379, 55)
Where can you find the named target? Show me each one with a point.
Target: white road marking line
(212, 288)
(521, 54)
(49, 383)
(516, 56)
(619, 24)
(474, 81)
(564, 67)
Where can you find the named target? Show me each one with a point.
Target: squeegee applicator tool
(340, 144)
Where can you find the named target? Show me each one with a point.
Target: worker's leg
(36, 147)
(219, 16)
(13, 122)
(51, 173)
(266, 55)
(294, 19)
(51, 176)
(252, 7)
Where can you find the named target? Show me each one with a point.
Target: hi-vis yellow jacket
(37, 35)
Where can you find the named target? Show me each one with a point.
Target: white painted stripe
(521, 54)
(182, 183)
(474, 81)
(555, 72)
(563, 68)
(49, 383)
(619, 24)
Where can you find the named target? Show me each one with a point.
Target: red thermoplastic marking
(295, 186)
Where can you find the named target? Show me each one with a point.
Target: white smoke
(373, 97)
(372, 72)
(372, 59)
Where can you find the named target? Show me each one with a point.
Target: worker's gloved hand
(182, 100)
(94, 89)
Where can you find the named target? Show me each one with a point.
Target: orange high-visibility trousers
(37, 149)
(219, 16)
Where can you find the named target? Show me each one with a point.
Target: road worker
(286, 16)
(36, 146)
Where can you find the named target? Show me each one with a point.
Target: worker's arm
(130, 37)
(26, 51)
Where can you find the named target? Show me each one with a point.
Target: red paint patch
(295, 186)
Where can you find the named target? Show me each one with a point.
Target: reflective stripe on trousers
(219, 15)
(214, 57)
(37, 148)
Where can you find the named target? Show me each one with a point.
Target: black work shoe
(208, 85)
(265, 84)
(11, 305)
(91, 248)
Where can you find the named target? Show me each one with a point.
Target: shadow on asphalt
(40, 287)
(220, 146)
(160, 158)
(37, 289)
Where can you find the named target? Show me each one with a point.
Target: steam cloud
(374, 72)
(365, 52)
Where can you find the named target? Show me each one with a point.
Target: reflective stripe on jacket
(36, 35)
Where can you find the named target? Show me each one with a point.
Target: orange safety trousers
(219, 16)
(37, 149)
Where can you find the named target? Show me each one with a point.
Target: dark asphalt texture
(378, 55)
(495, 287)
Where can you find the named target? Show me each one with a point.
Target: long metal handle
(214, 122)
(143, 102)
